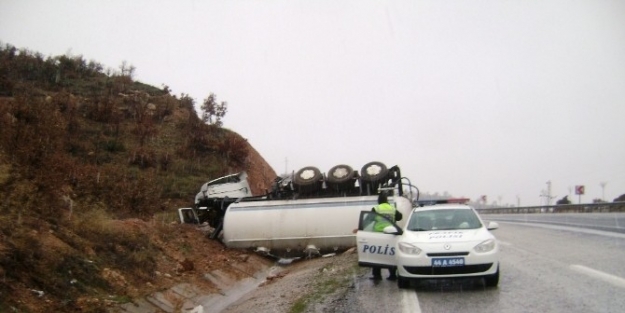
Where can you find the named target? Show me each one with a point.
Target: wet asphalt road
(613, 222)
(544, 268)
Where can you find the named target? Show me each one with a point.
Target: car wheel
(492, 280)
(403, 283)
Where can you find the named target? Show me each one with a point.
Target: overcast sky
(471, 98)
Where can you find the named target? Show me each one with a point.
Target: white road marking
(410, 302)
(612, 279)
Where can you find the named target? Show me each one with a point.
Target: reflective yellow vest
(387, 211)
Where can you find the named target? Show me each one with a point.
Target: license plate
(447, 262)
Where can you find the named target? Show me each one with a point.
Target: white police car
(438, 241)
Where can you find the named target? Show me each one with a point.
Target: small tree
(127, 69)
(213, 112)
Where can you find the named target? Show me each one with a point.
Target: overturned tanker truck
(304, 214)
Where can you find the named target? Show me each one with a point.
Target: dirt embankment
(196, 274)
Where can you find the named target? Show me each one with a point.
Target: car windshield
(424, 220)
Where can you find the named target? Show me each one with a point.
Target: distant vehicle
(306, 213)
(438, 241)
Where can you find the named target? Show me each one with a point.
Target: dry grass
(92, 167)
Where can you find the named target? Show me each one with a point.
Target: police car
(437, 241)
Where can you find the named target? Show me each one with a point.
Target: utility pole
(602, 184)
(547, 194)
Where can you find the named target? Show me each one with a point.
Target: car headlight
(408, 248)
(485, 246)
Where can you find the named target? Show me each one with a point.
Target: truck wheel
(306, 176)
(340, 174)
(374, 171)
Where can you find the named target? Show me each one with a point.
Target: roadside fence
(605, 207)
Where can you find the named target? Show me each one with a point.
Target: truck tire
(308, 175)
(340, 174)
(308, 179)
(374, 171)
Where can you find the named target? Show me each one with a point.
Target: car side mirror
(492, 226)
(392, 230)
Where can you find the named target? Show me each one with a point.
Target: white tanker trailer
(306, 213)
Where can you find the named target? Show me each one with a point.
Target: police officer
(392, 215)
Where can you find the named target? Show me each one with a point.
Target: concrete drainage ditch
(188, 298)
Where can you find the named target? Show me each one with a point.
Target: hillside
(92, 168)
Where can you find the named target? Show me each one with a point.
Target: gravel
(315, 285)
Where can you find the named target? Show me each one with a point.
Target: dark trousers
(377, 271)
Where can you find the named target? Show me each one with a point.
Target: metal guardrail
(605, 207)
